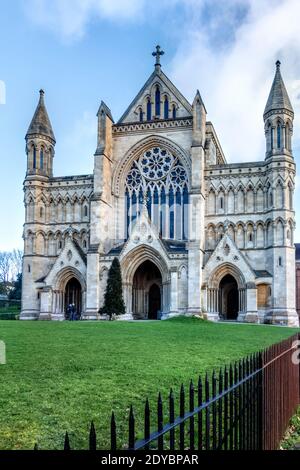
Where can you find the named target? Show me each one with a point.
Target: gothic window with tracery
(278, 135)
(41, 159)
(174, 112)
(159, 181)
(34, 158)
(149, 116)
(166, 108)
(157, 101)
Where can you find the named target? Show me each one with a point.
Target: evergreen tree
(16, 292)
(113, 299)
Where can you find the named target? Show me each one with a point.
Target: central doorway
(154, 302)
(146, 292)
(229, 298)
(73, 296)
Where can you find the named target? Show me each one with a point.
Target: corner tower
(279, 208)
(40, 143)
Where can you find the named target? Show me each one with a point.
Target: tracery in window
(158, 180)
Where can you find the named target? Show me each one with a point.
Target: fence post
(214, 412)
(192, 427)
(113, 432)
(182, 412)
(200, 420)
(67, 442)
(220, 411)
(160, 423)
(226, 409)
(131, 438)
(260, 408)
(147, 423)
(92, 437)
(172, 419)
(207, 415)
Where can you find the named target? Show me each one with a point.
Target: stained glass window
(149, 110)
(166, 108)
(161, 176)
(157, 101)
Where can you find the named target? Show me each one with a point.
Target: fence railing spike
(67, 442)
(113, 432)
(160, 422)
(92, 437)
(172, 419)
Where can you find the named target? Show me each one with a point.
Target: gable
(144, 233)
(227, 252)
(72, 258)
(147, 92)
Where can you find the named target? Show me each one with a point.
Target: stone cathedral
(194, 235)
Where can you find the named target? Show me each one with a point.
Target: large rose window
(159, 180)
(155, 163)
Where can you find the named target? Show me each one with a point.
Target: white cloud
(235, 78)
(69, 18)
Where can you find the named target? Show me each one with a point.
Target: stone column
(251, 303)
(46, 304)
(174, 292)
(205, 298)
(92, 297)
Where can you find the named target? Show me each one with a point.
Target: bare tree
(16, 261)
(5, 265)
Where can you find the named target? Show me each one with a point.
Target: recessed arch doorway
(73, 296)
(147, 291)
(229, 298)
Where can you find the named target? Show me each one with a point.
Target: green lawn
(60, 376)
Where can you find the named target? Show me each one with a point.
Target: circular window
(155, 163)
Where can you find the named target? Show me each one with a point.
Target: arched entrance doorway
(229, 298)
(73, 295)
(154, 302)
(146, 291)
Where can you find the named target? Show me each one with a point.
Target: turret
(40, 142)
(278, 118)
(199, 121)
(105, 122)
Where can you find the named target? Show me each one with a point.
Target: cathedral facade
(194, 235)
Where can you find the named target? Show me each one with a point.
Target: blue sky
(83, 51)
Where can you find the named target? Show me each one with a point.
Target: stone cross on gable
(157, 54)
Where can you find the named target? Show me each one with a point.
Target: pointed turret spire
(198, 100)
(278, 97)
(199, 120)
(40, 123)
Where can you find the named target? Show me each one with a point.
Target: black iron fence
(246, 406)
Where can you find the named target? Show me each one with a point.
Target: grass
(292, 436)
(60, 376)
